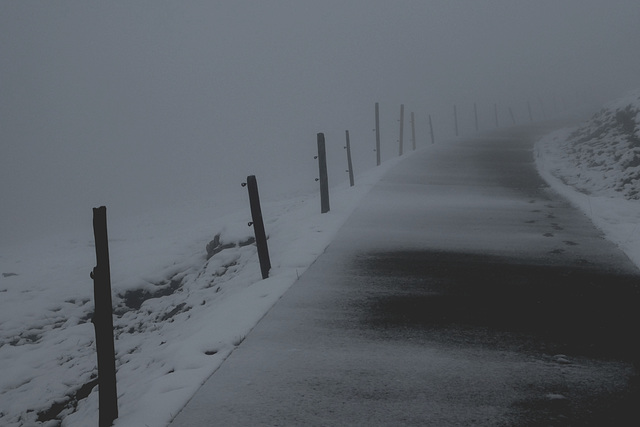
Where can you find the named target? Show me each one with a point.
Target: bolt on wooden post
(103, 322)
(258, 226)
(324, 178)
(349, 163)
(377, 135)
(401, 129)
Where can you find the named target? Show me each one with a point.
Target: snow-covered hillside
(596, 165)
(603, 154)
(187, 288)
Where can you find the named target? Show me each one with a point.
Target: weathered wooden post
(103, 322)
(529, 109)
(513, 118)
(475, 113)
(495, 111)
(413, 132)
(258, 226)
(433, 141)
(455, 118)
(377, 135)
(324, 178)
(349, 163)
(401, 129)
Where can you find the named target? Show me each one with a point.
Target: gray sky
(144, 104)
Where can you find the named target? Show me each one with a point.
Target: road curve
(463, 291)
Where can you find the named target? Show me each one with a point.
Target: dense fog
(149, 104)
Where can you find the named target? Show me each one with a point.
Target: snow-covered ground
(180, 311)
(596, 165)
(180, 308)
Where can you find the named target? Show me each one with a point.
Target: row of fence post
(456, 127)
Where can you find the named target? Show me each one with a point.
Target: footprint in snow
(555, 396)
(562, 359)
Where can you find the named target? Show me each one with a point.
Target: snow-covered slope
(596, 165)
(187, 289)
(603, 154)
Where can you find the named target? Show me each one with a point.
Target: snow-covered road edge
(616, 217)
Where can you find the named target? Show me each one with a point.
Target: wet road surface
(463, 291)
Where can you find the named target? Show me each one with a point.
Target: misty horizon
(145, 105)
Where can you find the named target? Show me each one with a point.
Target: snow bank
(597, 166)
(180, 309)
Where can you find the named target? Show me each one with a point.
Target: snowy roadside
(596, 166)
(180, 311)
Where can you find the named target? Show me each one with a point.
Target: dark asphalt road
(463, 291)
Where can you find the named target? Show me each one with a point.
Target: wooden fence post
(401, 129)
(349, 163)
(433, 141)
(413, 132)
(475, 113)
(324, 178)
(258, 226)
(455, 118)
(103, 322)
(377, 135)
